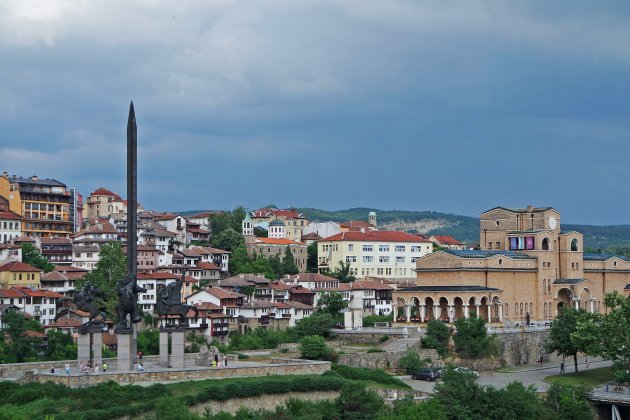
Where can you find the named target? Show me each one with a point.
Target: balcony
(220, 333)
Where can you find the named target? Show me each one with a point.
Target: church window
(545, 244)
(574, 245)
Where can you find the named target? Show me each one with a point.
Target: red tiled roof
(96, 228)
(35, 334)
(447, 240)
(205, 250)
(157, 276)
(301, 290)
(208, 306)
(165, 216)
(38, 292)
(223, 294)
(370, 285)
(65, 323)
(298, 305)
(376, 236)
(51, 241)
(269, 212)
(343, 287)
(207, 266)
(105, 191)
(10, 293)
(198, 230)
(9, 215)
(313, 236)
(276, 241)
(17, 266)
(54, 276)
(280, 286)
(311, 277)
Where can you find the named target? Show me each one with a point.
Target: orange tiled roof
(375, 236)
(276, 241)
(17, 266)
(106, 192)
(447, 240)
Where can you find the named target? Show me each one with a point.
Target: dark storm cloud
(450, 106)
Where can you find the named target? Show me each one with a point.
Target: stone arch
(443, 309)
(483, 309)
(545, 310)
(400, 315)
(429, 308)
(574, 244)
(459, 308)
(472, 309)
(564, 298)
(494, 309)
(415, 309)
(545, 244)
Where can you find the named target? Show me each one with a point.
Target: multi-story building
(10, 252)
(76, 209)
(43, 204)
(174, 223)
(293, 221)
(62, 279)
(57, 250)
(389, 254)
(526, 269)
(16, 273)
(103, 203)
(85, 256)
(447, 242)
(10, 223)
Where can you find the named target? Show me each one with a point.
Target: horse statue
(169, 302)
(83, 300)
(128, 290)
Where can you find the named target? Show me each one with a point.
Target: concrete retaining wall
(289, 367)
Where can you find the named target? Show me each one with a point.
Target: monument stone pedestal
(125, 348)
(175, 357)
(90, 348)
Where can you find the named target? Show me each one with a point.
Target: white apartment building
(85, 256)
(388, 254)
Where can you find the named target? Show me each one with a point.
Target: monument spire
(132, 197)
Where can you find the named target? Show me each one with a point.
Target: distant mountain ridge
(464, 228)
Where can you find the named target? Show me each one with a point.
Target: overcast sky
(453, 106)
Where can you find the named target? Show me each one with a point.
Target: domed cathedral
(277, 229)
(526, 270)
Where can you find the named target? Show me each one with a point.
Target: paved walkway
(528, 375)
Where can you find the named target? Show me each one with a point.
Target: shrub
(375, 350)
(436, 337)
(472, 340)
(361, 374)
(316, 324)
(355, 402)
(411, 362)
(368, 321)
(314, 347)
(384, 338)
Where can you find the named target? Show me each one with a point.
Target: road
(529, 375)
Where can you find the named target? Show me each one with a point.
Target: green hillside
(464, 228)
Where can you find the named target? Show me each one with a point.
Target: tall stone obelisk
(127, 338)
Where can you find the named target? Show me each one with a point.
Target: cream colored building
(527, 269)
(294, 222)
(388, 254)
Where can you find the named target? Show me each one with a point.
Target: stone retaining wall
(386, 360)
(289, 367)
(522, 348)
(267, 402)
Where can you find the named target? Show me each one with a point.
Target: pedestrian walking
(214, 363)
(538, 361)
(104, 367)
(561, 367)
(225, 360)
(67, 367)
(588, 362)
(96, 368)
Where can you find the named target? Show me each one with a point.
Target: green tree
(239, 260)
(314, 347)
(407, 408)
(606, 335)
(60, 346)
(111, 267)
(236, 218)
(316, 324)
(228, 239)
(261, 266)
(356, 402)
(260, 232)
(218, 222)
(332, 303)
(436, 337)
(566, 402)
(343, 273)
(560, 334)
(32, 257)
(411, 362)
(288, 263)
(276, 266)
(311, 258)
(149, 342)
(16, 346)
(472, 340)
(248, 291)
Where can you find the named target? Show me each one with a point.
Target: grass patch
(377, 376)
(585, 378)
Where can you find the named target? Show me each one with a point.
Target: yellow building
(526, 270)
(43, 204)
(16, 273)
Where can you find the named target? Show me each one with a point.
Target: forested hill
(464, 228)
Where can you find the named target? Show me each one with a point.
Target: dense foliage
(370, 320)
(472, 340)
(561, 339)
(410, 362)
(436, 337)
(314, 347)
(32, 257)
(332, 303)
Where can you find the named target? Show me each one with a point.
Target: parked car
(466, 370)
(426, 375)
